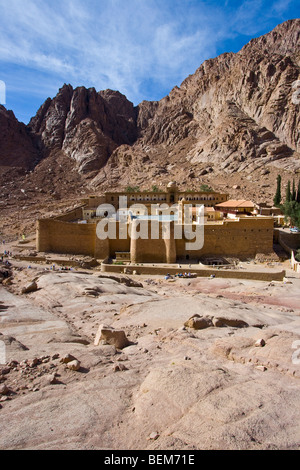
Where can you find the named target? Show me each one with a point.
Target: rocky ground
(200, 363)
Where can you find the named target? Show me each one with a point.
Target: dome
(172, 184)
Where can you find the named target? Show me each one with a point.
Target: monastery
(159, 227)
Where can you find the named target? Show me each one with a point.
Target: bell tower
(172, 193)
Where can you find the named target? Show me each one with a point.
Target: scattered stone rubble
(18, 378)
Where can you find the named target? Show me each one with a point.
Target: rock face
(16, 146)
(231, 386)
(237, 110)
(85, 124)
(237, 114)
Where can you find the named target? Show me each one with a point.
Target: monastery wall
(199, 272)
(71, 215)
(242, 238)
(57, 236)
(119, 245)
(152, 250)
(92, 202)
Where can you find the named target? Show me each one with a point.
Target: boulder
(199, 323)
(119, 367)
(109, 335)
(260, 343)
(68, 358)
(31, 287)
(227, 321)
(4, 389)
(73, 365)
(4, 275)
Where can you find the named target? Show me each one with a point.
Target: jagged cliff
(87, 126)
(234, 119)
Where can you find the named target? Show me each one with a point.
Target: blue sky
(143, 48)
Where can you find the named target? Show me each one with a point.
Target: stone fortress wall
(242, 238)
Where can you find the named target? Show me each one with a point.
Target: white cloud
(118, 45)
(121, 45)
(280, 6)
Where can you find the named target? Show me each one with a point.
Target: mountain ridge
(231, 123)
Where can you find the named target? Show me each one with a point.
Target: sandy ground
(173, 387)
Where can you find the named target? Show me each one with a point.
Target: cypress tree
(288, 195)
(298, 193)
(294, 191)
(277, 197)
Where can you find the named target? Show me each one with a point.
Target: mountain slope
(17, 148)
(233, 124)
(236, 110)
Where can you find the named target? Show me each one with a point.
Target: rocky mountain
(234, 123)
(17, 148)
(236, 113)
(87, 126)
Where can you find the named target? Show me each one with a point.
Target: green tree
(133, 189)
(294, 195)
(291, 207)
(288, 194)
(205, 187)
(298, 193)
(277, 197)
(291, 210)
